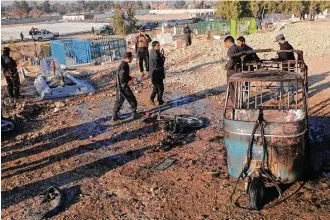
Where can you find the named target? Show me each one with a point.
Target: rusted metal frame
(261, 93)
(256, 97)
(296, 94)
(240, 95)
(248, 100)
(235, 100)
(288, 95)
(270, 135)
(281, 87)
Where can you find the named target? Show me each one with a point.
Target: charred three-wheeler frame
(266, 124)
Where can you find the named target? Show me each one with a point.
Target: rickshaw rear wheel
(256, 193)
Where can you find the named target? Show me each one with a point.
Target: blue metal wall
(81, 50)
(58, 51)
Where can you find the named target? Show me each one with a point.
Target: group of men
(154, 62)
(313, 12)
(233, 64)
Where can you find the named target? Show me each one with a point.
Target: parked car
(105, 29)
(196, 20)
(43, 34)
(149, 25)
(172, 23)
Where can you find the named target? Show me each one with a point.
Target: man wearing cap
(141, 49)
(9, 69)
(233, 63)
(284, 45)
(123, 90)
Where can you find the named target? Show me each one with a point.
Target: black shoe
(161, 102)
(136, 115)
(115, 117)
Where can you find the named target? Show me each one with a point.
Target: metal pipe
(235, 98)
(255, 98)
(279, 103)
(248, 100)
(296, 94)
(288, 95)
(261, 94)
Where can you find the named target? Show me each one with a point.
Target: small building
(78, 17)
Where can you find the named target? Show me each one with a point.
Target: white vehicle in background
(174, 22)
(43, 34)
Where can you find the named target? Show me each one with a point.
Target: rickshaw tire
(191, 122)
(256, 193)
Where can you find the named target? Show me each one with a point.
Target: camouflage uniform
(9, 69)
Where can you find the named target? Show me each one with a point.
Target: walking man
(92, 30)
(22, 36)
(233, 63)
(9, 69)
(157, 72)
(141, 49)
(302, 12)
(187, 35)
(123, 90)
(313, 13)
(258, 16)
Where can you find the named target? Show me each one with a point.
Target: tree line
(24, 9)
(246, 9)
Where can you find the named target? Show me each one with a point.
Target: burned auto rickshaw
(266, 126)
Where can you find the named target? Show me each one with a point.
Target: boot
(136, 115)
(152, 102)
(161, 102)
(115, 117)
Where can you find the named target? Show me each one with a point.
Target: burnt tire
(190, 122)
(7, 126)
(256, 193)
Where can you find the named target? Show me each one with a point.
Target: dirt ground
(107, 170)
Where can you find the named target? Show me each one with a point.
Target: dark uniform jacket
(249, 57)
(186, 30)
(233, 61)
(147, 40)
(8, 66)
(156, 66)
(123, 74)
(283, 56)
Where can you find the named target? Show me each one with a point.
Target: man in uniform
(9, 69)
(187, 35)
(284, 45)
(244, 47)
(258, 16)
(141, 49)
(22, 36)
(233, 63)
(123, 90)
(302, 12)
(157, 73)
(284, 56)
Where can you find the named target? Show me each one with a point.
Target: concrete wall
(73, 17)
(183, 11)
(30, 20)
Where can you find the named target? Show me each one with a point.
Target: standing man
(22, 36)
(302, 12)
(123, 90)
(141, 49)
(244, 47)
(313, 13)
(233, 63)
(9, 69)
(92, 30)
(258, 16)
(187, 35)
(157, 72)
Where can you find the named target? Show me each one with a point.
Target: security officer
(284, 45)
(141, 49)
(22, 36)
(233, 63)
(9, 69)
(258, 17)
(302, 12)
(244, 47)
(157, 73)
(123, 90)
(187, 35)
